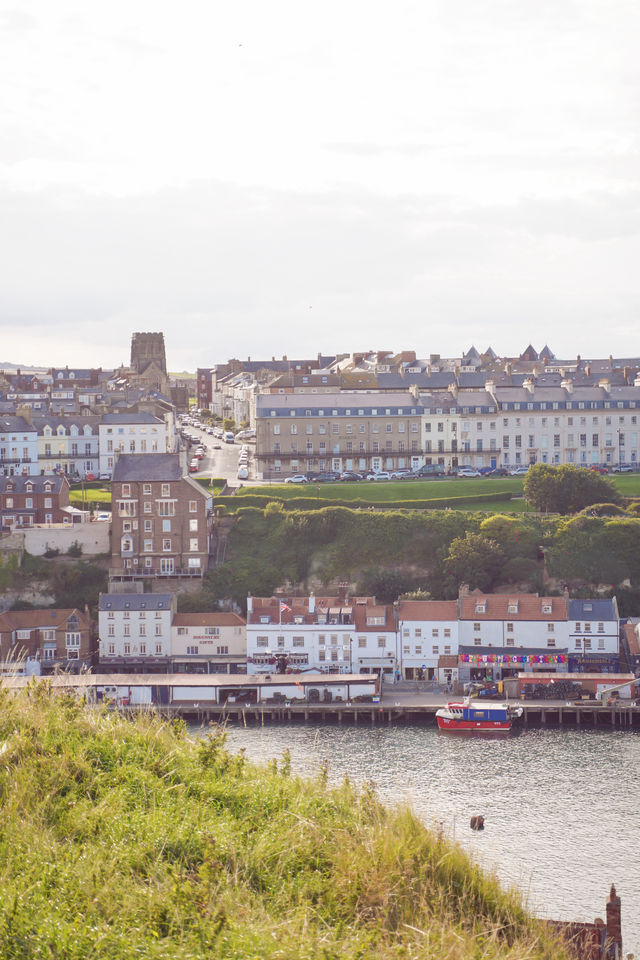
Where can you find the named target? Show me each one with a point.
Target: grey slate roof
(597, 609)
(8, 423)
(135, 601)
(19, 484)
(147, 467)
(115, 418)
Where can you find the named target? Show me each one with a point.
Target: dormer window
(513, 606)
(546, 608)
(481, 606)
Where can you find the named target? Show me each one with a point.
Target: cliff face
(123, 838)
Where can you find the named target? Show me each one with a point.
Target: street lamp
(619, 447)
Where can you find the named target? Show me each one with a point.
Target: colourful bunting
(513, 658)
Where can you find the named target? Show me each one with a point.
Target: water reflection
(560, 807)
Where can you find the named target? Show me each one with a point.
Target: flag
(284, 606)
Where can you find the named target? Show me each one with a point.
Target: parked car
(468, 472)
(103, 516)
(497, 472)
(619, 468)
(194, 467)
(349, 475)
(243, 473)
(380, 475)
(519, 472)
(329, 477)
(596, 468)
(296, 478)
(217, 446)
(402, 474)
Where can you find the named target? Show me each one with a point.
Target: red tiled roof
(428, 610)
(497, 607)
(34, 619)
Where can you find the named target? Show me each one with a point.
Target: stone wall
(93, 537)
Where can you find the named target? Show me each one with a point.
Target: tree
(473, 560)
(567, 489)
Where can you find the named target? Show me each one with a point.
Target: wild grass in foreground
(125, 839)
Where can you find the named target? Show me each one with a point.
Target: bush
(75, 550)
(51, 552)
(604, 510)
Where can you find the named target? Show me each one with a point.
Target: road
(221, 459)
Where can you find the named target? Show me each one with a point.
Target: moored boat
(477, 716)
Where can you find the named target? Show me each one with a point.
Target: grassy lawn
(90, 496)
(627, 483)
(381, 490)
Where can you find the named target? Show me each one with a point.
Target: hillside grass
(78, 499)
(123, 838)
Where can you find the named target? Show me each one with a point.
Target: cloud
(226, 270)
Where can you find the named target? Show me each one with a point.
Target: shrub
(75, 550)
(51, 552)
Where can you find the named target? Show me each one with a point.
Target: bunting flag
(513, 658)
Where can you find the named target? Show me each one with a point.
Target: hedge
(315, 503)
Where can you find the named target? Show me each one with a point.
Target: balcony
(148, 573)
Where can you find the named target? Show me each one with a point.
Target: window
(297, 642)
(510, 627)
(262, 641)
(435, 649)
(165, 490)
(127, 649)
(148, 546)
(477, 641)
(193, 544)
(158, 649)
(551, 641)
(192, 651)
(362, 642)
(166, 508)
(511, 642)
(476, 626)
(193, 506)
(166, 545)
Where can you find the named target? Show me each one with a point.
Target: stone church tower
(147, 348)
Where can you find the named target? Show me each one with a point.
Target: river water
(561, 807)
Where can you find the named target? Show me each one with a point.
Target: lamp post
(619, 447)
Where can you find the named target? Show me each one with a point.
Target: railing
(135, 573)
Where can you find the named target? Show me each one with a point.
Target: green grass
(381, 490)
(124, 839)
(90, 496)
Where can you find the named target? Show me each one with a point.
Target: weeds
(124, 838)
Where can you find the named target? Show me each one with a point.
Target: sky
(292, 177)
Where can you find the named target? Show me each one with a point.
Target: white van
(243, 473)
(228, 436)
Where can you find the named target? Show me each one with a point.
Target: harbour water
(561, 807)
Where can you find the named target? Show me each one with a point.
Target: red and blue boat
(477, 716)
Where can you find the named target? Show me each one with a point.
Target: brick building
(26, 501)
(162, 520)
(55, 639)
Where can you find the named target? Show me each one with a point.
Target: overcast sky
(261, 177)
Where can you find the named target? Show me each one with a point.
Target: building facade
(161, 520)
(135, 632)
(44, 641)
(26, 501)
(18, 447)
(209, 643)
(129, 433)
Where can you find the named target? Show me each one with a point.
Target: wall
(93, 537)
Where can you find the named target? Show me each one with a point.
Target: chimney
(567, 385)
(528, 385)
(415, 393)
(453, 390)
(312, 603)
(249, 603)
(587, 369)
(605, 383)
(463, 590)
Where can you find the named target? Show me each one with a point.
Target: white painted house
(428, 630)
(323, 634)
(135, 631)
(130, 433)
